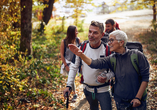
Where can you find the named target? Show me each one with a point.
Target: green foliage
(31, 76)
(150, 39)
(80, 26)
(78, 8)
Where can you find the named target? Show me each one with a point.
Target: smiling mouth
(91, 39)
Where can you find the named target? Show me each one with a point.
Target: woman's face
(76, 32)
(114, 44)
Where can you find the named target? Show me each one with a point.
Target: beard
(109, 31)
(95, 41)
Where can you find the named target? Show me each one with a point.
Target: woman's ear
(121, 43)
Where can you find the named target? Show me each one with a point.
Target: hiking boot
(74, 98)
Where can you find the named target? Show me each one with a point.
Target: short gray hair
(120, 35)
(98, 24)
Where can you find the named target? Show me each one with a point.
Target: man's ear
(114, 25)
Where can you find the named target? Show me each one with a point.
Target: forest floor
(133, 29)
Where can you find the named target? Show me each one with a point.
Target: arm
(141, 90)
(144, 72)
(72, 74)
(62, 55)
(79, 53)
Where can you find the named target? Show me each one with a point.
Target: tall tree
(154, 11)
(26, 26)
(47, 12)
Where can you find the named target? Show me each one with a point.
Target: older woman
(128, 88)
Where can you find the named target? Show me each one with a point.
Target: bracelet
(138, 98)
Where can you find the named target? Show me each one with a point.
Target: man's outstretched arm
(79, 53)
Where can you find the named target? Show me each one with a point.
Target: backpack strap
(135, 63)
(77, 40)
(107, 50)
(64, 47)
(113, 62)
(82, 47)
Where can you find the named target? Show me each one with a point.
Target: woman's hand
(67, 68)
(136, 103)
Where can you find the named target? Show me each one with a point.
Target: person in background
(129, 88)
(110, 26)
(96, 93)
(66, 54)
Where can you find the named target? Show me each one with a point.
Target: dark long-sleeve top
(127, 79)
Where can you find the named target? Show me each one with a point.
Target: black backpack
(134, 45)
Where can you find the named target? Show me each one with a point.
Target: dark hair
(98, 24)
(70, 34)
(110, 21)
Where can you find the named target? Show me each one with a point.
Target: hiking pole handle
(67, 102)
(129, 106)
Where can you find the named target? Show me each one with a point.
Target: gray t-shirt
(68, 53)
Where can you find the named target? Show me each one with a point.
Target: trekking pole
(67, 102)
(129, 106)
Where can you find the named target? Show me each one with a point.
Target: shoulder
(84, 42)
(63, 40)
(77, 39)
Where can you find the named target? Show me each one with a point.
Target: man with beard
(95, 88)
(111, 25)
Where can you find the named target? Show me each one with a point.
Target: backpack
(83, 47)
(136, 46)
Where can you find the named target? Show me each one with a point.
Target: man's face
(94, 36)
(109, 27)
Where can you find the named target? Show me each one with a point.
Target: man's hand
(136, 103)
(75, 49)
(101, 79)
(66, 90)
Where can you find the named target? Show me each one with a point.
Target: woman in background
(66, 54)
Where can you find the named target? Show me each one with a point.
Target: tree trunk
(47, 13)
(26, 26)
(154, 12)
